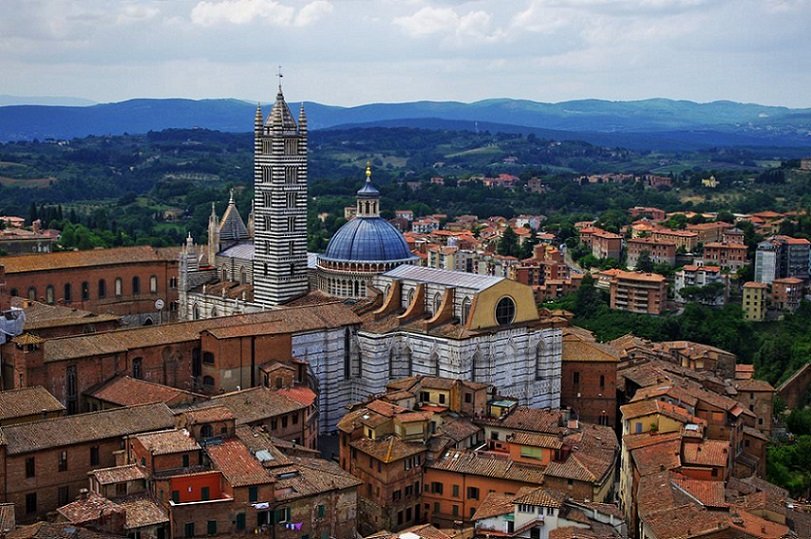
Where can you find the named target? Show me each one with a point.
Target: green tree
(644, 263)
(508, 244)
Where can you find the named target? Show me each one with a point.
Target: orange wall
(190, 486)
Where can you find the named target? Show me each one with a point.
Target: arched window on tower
(68, 296)
(49, 294)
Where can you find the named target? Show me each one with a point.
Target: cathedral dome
(368, 239)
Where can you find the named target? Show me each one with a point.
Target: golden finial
(368, 170)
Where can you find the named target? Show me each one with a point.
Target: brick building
(684, 239)
(603, 244)
(709, 232)
(205, 356)
(729, 256)
(589, 379)
(28, 404)
(43, 464)
(787, 292)
(660, 251)
(124, 281)
(636, 291)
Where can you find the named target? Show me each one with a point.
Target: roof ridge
(84, 415)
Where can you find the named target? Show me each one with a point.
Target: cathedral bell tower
(280, 205)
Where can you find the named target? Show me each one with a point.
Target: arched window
(85, 291)
(224, 274)
(153, 284)
(195, 312)
(357, 288)
(119, 287)
(137, 368)
(505, 311)
(213, 312)
(437, 303)
(465, 310)
(136, 285)
(49, 294)
(67, 293)
(435, 363)
(102, 288)
(243, 276)
(32, 293)
(410, 297)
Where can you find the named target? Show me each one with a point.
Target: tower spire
(280, 75)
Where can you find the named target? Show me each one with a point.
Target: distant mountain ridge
(652, 124)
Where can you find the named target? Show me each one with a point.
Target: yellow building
(754, 301)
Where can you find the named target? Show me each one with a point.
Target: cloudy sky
(349, 52)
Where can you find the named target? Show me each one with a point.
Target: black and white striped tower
(280, 205)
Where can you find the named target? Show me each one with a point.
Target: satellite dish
(159, 304)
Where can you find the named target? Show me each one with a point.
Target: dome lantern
(368, 197)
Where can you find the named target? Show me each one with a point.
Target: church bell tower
(280, 205)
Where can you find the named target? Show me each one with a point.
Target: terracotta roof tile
(755, 526)
(541, 496)
(528, 419)
(168, 442)
(27, 401)
(290, 320)
(210, 414)
(388, 449)
(239, 467)
(493, 505)
(128, 391)
(80, 259)
(254, 404)
(536, 440)
(656, 458)
(87, 509)
(469, 462)
(119, 474)
(301, 394)
(686, 522)
(74, 429)
(58, 530)
(706, 453)
(141, 511)
(40, 315)
(708, 493)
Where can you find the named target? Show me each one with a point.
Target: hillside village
(419, 378)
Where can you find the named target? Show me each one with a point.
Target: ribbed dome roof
(368, 239)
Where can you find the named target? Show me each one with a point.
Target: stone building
(589, 378)
(458, 325)
(124, 281)
(44, 464)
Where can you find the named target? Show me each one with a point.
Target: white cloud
(453, 27)
(136, 13)
(210, 13)
(312, 12)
